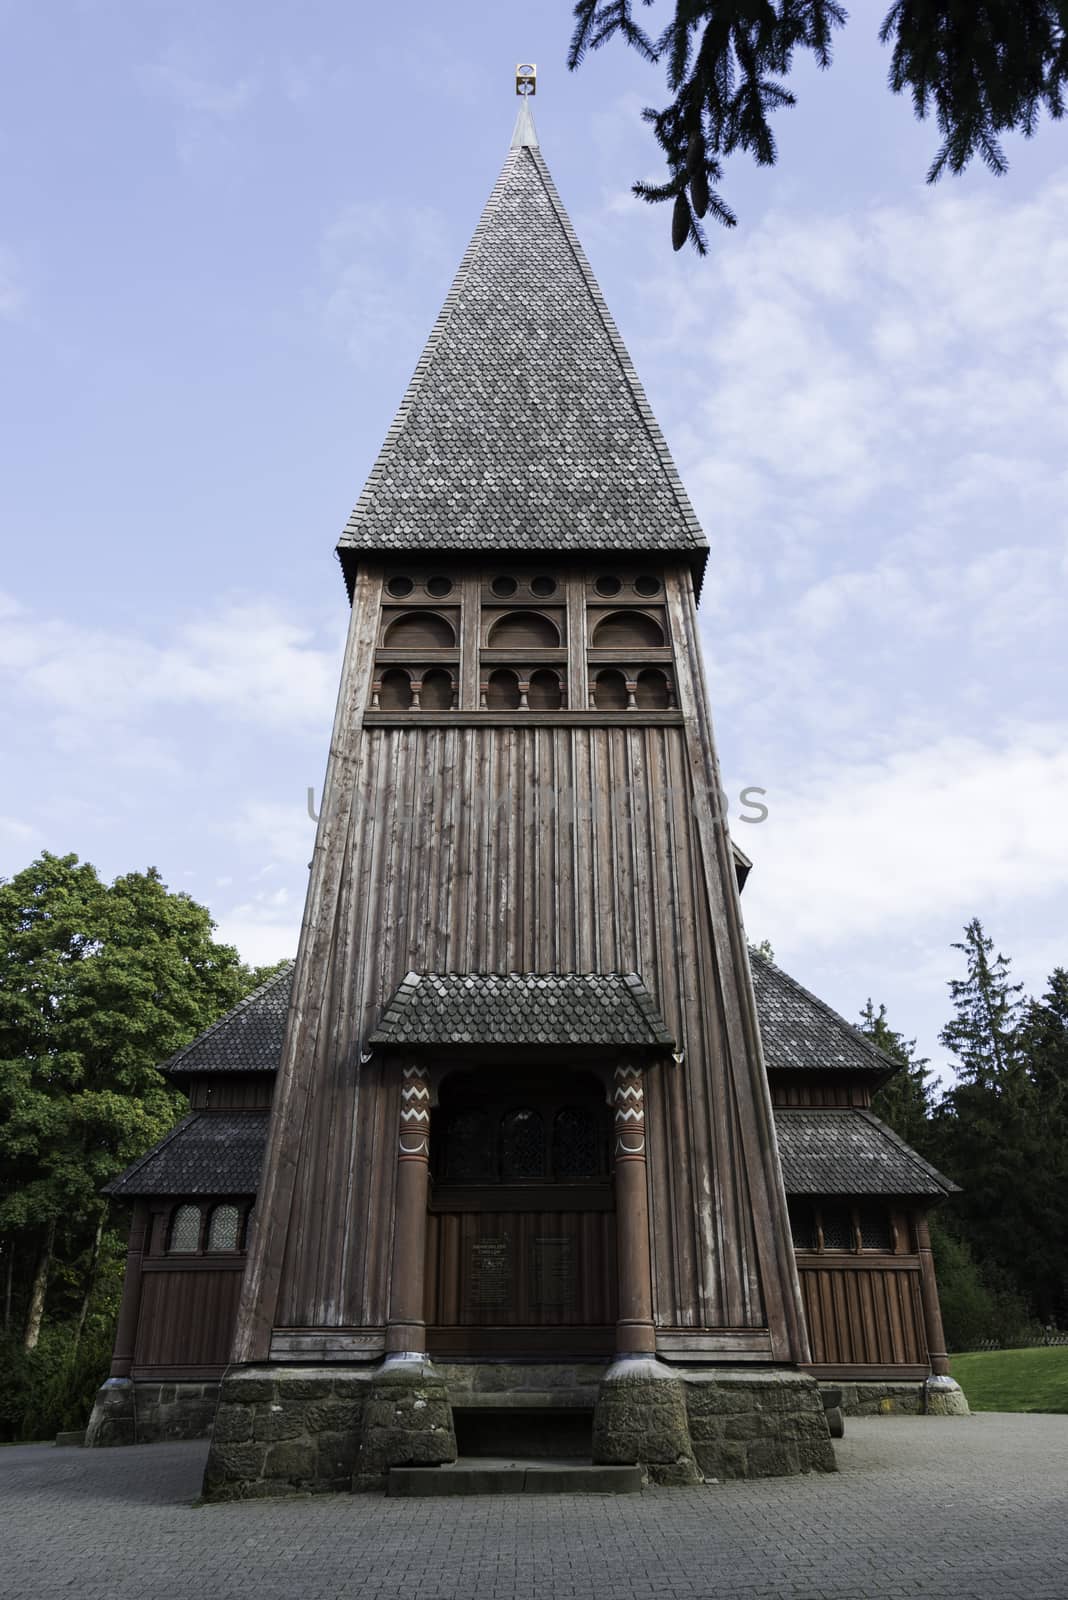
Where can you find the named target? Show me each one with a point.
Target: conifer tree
(1044, 1046)
(984, 69)
(907, 1100)
(988, 1136)
(984, 1034)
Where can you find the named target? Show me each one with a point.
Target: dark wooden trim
(856, 1261)
(659, 655)
(143, 1373)
(904, 1373)
(524, 719)
(548, 1196)
(125, 1347)
(216, 1261)
(327, 1344)
(514, 1343)
(708, 1344)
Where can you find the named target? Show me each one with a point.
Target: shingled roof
(824, 1152)
(211, 1152)
(246, 1039)
(524, 427)
(801, 1033)
(831, 1151)
(524, 1008)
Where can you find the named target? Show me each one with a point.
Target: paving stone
(931, 1507)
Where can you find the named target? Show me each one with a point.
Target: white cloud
(893, 375)
(370, 292)
(179, 76)
(265, 929)
(17, 836)
(874, 847)
(284, 833)
(247, 661)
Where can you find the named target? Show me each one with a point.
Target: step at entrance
(502, 1475)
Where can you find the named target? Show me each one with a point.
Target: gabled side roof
(801, 1033)
(828, 1151)
(246, 1039)
(213, 1152)
(524, 427)
(823, 1152)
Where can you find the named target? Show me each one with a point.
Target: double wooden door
(521, 1230)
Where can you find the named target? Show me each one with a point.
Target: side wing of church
(523, 1153)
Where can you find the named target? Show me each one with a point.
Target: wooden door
(521, 1231)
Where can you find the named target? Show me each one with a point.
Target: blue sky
(225, 231)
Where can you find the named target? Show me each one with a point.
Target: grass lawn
(1014, 1380)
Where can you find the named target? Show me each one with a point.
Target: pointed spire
(524, 426)
(524, 132)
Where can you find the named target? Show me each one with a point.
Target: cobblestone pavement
(947, 1509)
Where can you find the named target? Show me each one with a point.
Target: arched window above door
(522, 1145)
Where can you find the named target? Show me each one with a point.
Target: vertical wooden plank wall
(465, 845)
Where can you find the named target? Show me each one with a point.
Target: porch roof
(575, 1009)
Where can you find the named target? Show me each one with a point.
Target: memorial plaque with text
(553, 1271)
(489, 1273)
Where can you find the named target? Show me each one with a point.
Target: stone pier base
(943, 1397)
(756, 1422)
(114, 1415)
(407, 1422)
(315, 1430)
(640, 1420)
(937, 1397)
(130, 1411)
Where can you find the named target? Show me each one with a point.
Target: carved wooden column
(130, 1308)
(932, 1311)
(406, 1333)
(635, 1334)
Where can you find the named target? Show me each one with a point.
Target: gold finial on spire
(526, 78)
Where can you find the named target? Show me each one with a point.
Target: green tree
(907, 1100)
(984, 67)
(984, 1033)
(98, 984)
(991, 1136)
(1044, 1047)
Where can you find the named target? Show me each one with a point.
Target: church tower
(522, 1141)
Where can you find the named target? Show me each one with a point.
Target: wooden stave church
(587, 873)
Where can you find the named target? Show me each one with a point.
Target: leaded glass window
(875, 1231)
(469, 1155)
(185, 1229)
(575, 1152)
(522, 1145)
(837, 1228)
(803, 1226)
(224, 1228)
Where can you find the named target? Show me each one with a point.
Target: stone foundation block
(407, 1422)
(756, 1422)
(878, 1398)
(285, 1430)
(945, 1398)
(640, 1420)
(114, 1419)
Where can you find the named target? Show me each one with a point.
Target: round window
(607, 586)
(399, 587)
(647, 584)
(439, 586)
(543, 585)
(503, 587)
